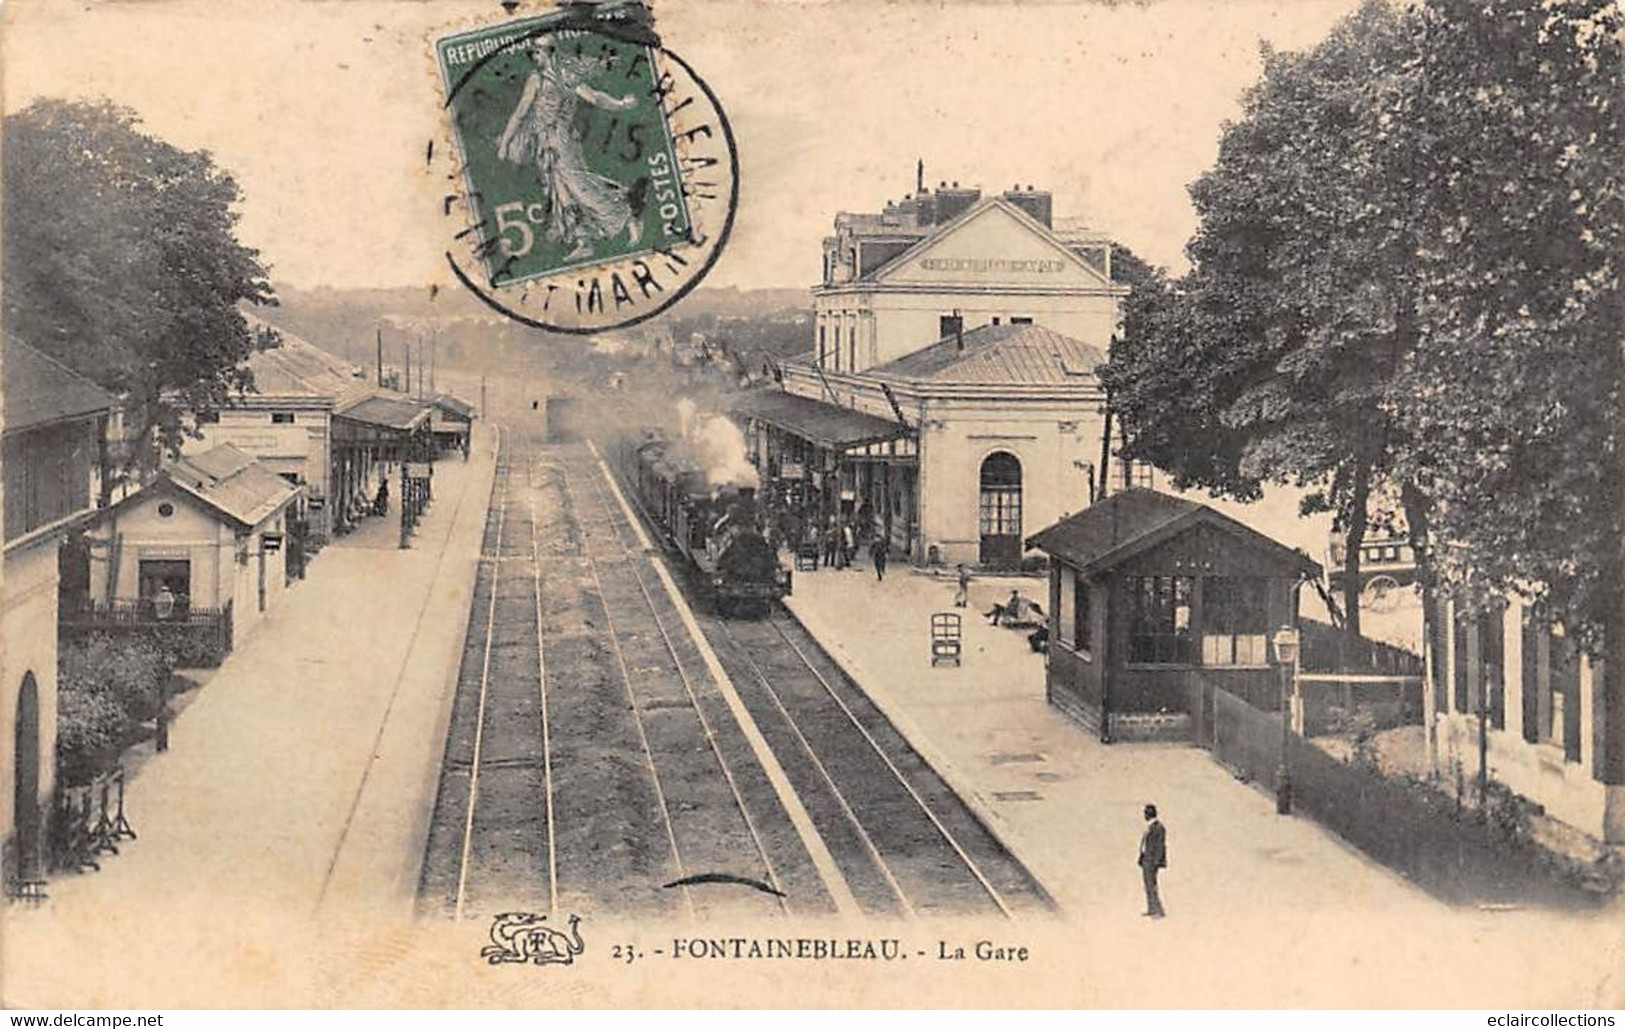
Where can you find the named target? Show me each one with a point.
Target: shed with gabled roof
(213, 530)
(1155, 601)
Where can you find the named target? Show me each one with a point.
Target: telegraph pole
(380, 333)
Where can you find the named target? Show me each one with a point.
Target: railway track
(905, 842)
(595, 763)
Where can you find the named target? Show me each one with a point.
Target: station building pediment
(994, 245)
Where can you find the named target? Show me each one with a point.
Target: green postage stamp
(594, 167)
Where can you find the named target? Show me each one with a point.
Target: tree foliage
(1275, 358)
(1405, 280)
(121, 262)
(1516, 398)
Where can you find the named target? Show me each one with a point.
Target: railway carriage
(717, 529)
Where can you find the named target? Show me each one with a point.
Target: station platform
(1064, 803)
(297, 786)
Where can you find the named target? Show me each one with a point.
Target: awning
(400, 415)
(827, 425)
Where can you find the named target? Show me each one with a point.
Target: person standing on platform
(849, 546)
(832, 542)
(962, 596)
(1153, 859)
(878, 552)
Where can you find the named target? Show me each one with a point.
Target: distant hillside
(473, 337)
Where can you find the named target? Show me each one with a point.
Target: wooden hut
(1155, 601)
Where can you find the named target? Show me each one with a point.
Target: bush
(127, 669)
(91, 728)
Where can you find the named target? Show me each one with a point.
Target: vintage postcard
(813, 503)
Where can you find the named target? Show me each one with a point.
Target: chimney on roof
(953, 201)
(919, 176)
(1039, 204)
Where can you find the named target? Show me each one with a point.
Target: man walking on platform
(1153, 858)
(877, 553)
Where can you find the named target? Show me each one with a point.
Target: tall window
(1064, 619)
(1001, 495)
(1083, 628)
(1533, 633)
(1160, 620)
(1235, 621)
(1072, 615)
(820, 345)
(852, 348)
(1492, 665)
(1562, 708)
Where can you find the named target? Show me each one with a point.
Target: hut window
(1082, 626)
(1064, 614)
(1160, 620)
(1235, 617)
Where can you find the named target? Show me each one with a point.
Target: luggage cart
(947, 638)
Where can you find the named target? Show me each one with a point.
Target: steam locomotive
(717, 528)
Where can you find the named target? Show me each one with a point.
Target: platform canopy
(396, 414)
(826, 425)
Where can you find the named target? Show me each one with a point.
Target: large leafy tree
(1515, 400)
(1275, 358)
(121, 261)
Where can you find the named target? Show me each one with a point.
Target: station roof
(39, 389)
(454, 405)
(828, 425)
(1000, 355)
(232, 483)
(1125, 524)
(299, 369)
(377, 409)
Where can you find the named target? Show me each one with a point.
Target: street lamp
(1286, 657)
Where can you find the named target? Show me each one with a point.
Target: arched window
(1000, 510)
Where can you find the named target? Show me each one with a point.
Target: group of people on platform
(835, 541)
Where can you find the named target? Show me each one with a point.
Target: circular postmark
(591, 176)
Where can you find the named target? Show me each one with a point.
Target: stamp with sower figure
(591, 175)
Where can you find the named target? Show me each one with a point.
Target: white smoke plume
(718, 445)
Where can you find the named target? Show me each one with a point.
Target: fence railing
(1391, 700)
(1329, 649)
(1403, 823)
(194, 637)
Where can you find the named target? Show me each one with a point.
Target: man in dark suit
(1153, 858)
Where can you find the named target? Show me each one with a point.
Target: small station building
(210, 532)
(949, 398)
(1155, 601)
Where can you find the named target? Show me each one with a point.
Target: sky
(322, 109)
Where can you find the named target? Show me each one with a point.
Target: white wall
(189, 532)
(28, 615)
(1049, 439)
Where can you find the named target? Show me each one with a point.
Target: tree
(1276, 358)
(121, 262)
(1519, 390)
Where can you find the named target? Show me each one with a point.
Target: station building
(315, 421)
(949, 398)
(1555, 718)
(211, 529)
(51, 475)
